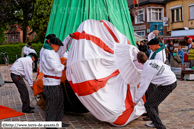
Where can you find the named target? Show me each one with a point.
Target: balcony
(191, 23)
(177, 25)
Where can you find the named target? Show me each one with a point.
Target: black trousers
(151, 90)
(154, 100)
(54, 102)
(24, 95)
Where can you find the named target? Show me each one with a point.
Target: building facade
(180, 14)
(15, 34)
(148, 16)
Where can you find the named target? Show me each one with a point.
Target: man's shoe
(31, 107)
(65, 125)
(28, 111)
(146, 119)
(150, 124)
(145, 114)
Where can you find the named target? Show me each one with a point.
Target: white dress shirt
(151, 36)
(25, 50)
(61, 51)
(51, 66)
(66, 44)
(23, 67)
(161, 55)
(156, 72)
(30, 50)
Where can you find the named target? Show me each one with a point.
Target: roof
(14, 29)
(142, 2)
(168, 1)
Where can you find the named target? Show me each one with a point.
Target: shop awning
(173, 38)
(191, 36)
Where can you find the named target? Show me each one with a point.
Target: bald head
(190, 40)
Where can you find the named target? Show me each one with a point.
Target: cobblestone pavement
(176, 112)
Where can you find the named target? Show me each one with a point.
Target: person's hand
(133, 105)
(156, 32)
(64, 62)
(71, 35)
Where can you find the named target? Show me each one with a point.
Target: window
(140, 33)
(16, 37)
(191, 11)
(176, 14)
(33, 36)
(140, 18)
(12, 37)
(154, 14)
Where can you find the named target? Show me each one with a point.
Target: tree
(2, 34)
(40, 18)
(17, 11)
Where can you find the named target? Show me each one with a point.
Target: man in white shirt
(160, 74)
(66, 43)
(48, 37)
(157, 49)
(52, 69)
(22, 68)
(25, 49)
(157, 53)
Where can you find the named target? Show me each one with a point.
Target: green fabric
(174, 54)
(191, 54)
(162, 46)
(47, 46)
(67, 15)
(29, 56)
(192, 67)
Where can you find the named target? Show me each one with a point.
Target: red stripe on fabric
(128, 41)
(144, 99)
(91, 86)
(122, 119)
(110, 31)
(95, 40)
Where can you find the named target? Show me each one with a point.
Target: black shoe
(28, 111)
(31, 107)
(34, 71)
(146, 119)
(145, 114)
(65, 125)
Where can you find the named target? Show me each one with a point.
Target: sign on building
(165, 21)
(139, 27)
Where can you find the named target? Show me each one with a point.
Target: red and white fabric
(104, 73)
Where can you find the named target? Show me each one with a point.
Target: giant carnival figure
(102, 70)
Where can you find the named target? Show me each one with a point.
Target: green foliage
(2, 34)
(16, 49)
(17, 12)
(40, 18)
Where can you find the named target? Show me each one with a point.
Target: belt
(18, 76)
(52, 77)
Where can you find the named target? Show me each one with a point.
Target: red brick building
(148, 16)
(15, 34)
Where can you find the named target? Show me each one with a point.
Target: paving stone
(176, 111)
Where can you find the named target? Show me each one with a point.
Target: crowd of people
(174, 56)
